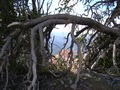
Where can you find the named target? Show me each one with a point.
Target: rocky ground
(88, 81)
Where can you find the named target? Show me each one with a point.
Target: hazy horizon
(60, 39)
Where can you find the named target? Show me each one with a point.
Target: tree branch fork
(40, 23)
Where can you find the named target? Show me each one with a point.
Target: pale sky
(78, 9)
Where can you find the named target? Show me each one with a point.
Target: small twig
(40, 9)
(82, 30)
(70, 55)
(63, 48)
(66, 41)
(91, 38)
(52, 45)
(101, 55)
(114, 14)
(48, 6)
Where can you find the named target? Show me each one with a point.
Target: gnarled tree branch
(73, 19)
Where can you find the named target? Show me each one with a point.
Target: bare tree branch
(74, 19)
(40, 23)
(114, 54)
(91, 38)
(34, 58)
(42, 50)
(79, 32)
(8, 40)
(7, 73)
(101, 55)
(79, 56)
(115, 13)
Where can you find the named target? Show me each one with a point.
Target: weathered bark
(73, 19)
(80, 58)
(8, 40)
(40, 23)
